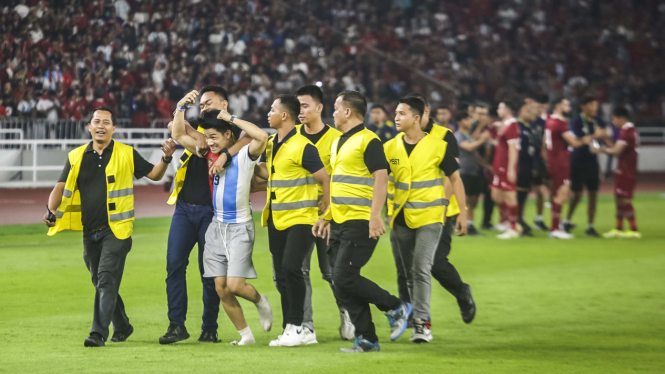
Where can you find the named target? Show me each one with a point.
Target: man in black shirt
(96, 175)
(358, 193)
(192, 216)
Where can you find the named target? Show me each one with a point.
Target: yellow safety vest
(417, 180)
(440, 132)
(119, 187)
(181, 173)
(294, 188)
(352, 185)
(324, 145)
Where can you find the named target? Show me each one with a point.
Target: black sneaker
(466, 304)
(121, 336)
(591, 232)
(94, 340)
(540, 225)
(472, 231)
(175, 333)
(487, 226)
(208, 337)
(568, 227)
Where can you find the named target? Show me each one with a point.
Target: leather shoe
(466, 304)
(175, 333)
(121, 336)
(94, 340)
(208, 337)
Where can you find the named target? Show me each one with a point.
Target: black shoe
(466, 304)
(121, 336)
(471, 231)
(487, 226)
(94, 340)
(174, 334)
(208, 337)
(540, 225)
(568, 227)
(592, 232)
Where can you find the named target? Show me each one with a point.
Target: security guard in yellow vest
(293, 169)
(95, 194)
(419, 164)
(191, 218)
(358, 193)
(442, 270)
(322, 136)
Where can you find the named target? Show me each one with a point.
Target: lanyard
(585, 125)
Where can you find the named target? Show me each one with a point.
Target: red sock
(513, 214)
(503, 212)
(556, 216)
(629, 213)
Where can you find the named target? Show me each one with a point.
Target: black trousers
(289, 248)
(105, 255)
(488, 203)
(350, 250)
(442, 270)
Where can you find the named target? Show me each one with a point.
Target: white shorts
(228, 250)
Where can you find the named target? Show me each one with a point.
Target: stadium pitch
(545, 306)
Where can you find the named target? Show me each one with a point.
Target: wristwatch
(228, 157)
(169, 160)
(233, 118)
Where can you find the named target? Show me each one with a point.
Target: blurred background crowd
(60, 58)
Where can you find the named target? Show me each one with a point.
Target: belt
(97, 228)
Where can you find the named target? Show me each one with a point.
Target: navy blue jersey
(581, 156)
(528, 148)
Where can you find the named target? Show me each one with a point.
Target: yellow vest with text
(294, 188)
(181, 173)
(119, 190)
(352, 185)
(324, 145)
(440, 132)
(417, 181)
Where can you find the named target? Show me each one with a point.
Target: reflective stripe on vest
(121, 216)
(121, 193)
(276, 207)
(427, 184)
(360, 201)
(362, 181)
(291, 183)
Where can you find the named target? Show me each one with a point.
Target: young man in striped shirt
(230, 236)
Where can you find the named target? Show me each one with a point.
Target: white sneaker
(560, 234)
(309, 336)
(509, 234)
(502, 226)
(346, 329)
(293, 336)
(275, 343)
(265, 313)
(422, 331)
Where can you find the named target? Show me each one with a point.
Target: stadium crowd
(61, 58)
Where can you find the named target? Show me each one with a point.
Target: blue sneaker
(361, 346)
(398, 320)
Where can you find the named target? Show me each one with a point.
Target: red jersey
(627, 166)
(509, 133)
(558, 157)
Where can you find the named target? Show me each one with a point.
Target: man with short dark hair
(381, 125)
(444, 117)
(585, 170)
(625, 174)
(95, 194)
(358, 193)
(292, 166)
(419, 164)
(322, 136)
(191, 218)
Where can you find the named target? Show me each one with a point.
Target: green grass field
(544, 306)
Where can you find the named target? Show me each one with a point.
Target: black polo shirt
(91, 182)
(195, 188)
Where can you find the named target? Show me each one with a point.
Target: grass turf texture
(546, 306)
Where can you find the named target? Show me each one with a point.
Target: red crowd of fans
(59, 58)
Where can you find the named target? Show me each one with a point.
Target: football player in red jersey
(557, 139)
(505, 163)
(624, 175)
